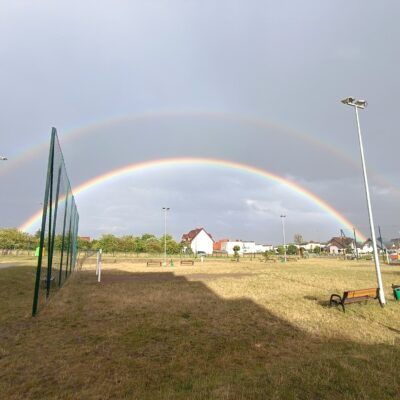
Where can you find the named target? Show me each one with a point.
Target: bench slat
(356, 299)
(372, 292)
(187, 262)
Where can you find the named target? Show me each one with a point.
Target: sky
(254, 82)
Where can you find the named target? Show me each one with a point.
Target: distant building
(228, 246)
(262, 248)
(85, 238)
(218, 244)
(310, 246)
(394, 243)
(339, 245)
(367, 247)
(200, 241)
(245, 247)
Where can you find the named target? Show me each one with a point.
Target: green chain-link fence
(59, 231)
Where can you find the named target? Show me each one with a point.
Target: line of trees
(13, 239)
(147, 243)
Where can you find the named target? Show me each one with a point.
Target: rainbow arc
(34, 220)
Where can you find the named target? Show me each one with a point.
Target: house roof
(369, 242)
(193, 233)
(340, 242)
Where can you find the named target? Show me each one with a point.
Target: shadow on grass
(160, 336)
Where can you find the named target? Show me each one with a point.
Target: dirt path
(8, 265)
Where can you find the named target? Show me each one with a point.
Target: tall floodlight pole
(166, 209)
(350, 101)
(284, 236)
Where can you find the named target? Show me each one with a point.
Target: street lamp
(351, 101)
(166, 209)
(284, 237)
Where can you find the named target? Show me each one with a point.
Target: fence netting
(57, 250)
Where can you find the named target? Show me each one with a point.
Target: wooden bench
(354, 296)
(187, 262)
(158, 263)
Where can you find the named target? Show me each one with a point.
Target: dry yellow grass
(218, 330)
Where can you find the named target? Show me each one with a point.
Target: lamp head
(348, 101)
(351, 101)
(361, 103)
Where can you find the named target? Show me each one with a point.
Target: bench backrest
(372, 292)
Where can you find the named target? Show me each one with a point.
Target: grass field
(218, 330)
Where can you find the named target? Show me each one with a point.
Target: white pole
(371, 220)
(165, 235)
(284, 236)
(99, 265)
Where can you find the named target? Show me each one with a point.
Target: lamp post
(284, 236)
(350, 101)
(166, 209)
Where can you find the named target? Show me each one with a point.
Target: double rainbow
(168, 162)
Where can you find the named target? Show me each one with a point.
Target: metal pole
(43, 229)
(165, 235)
(165, 238)
(99, 256)
(371, 220)
(382, 246)
(355, 242)
(284, 237)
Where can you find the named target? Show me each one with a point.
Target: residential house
(200, 241)
(310, 246)
(339, 245)
(394, 244)
(367, 248)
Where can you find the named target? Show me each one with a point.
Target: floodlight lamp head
(3, 158)
(349, 101)
(361, 103)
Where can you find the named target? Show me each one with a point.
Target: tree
(186, 248)
(280, 250)
(298, 238)
(236, 249)
(292, 250)
(267, 254)
(83, 245)
(317, 250)
(127, 244)
(12, 238)
(153, 245)
(108, 243)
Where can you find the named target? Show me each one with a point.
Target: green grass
(220, 330)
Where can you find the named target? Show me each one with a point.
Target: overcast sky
(258, 82)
